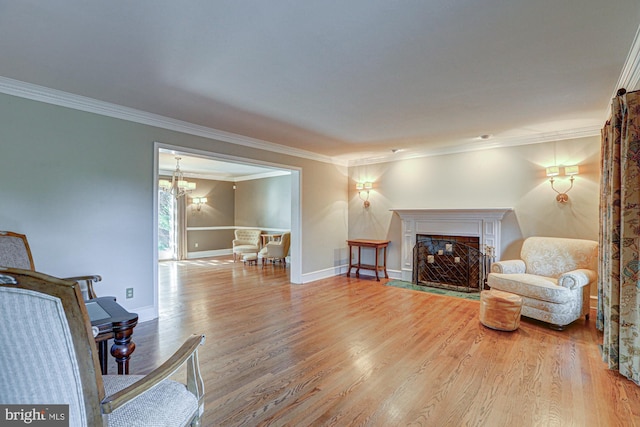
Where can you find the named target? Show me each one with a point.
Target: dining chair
(16, 253)
(52, 360)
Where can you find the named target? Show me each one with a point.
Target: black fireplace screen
(448, 264)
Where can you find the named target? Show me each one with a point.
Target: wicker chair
(52, 359)
(15, 253)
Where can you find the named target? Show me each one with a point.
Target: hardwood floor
(355, 352)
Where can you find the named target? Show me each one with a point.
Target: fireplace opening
(449, 262)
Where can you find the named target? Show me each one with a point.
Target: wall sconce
(555, 171)
(199, 201)
(361, 187)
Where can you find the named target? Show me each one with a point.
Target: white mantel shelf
(484, 223)
(455, 213)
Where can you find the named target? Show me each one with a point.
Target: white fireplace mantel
(482, 223)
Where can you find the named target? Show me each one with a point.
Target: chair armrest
(512, 266)
(91, 294)
(241, 242)
(186, 353)
(275, 249)
(576, 278)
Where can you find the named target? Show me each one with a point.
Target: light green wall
(80, 185)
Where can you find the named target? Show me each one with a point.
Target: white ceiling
(346, 79)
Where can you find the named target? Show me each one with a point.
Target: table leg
(102, 354)
(122, 348)
(386, 275)
(377, 252)
(359, 260)
(350, 263)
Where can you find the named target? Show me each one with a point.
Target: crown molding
(221, 177)
(82, 103)
(476, 145)
(630, 75)
(272, 174)
(629, 79)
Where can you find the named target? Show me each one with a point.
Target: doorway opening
(166, 232)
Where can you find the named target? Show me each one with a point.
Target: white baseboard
(324, 274)
(146, 313)
(393, 274)
(208, 254)
(341, 270)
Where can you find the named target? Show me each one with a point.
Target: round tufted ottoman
(252, 259)
(500, 310)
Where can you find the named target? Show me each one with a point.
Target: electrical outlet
(129, 293)
(196, 244)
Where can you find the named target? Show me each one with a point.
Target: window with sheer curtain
(166, 226)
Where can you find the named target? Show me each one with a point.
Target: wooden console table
(363, 243)
(266, 238)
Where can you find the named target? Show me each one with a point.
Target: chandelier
(178, 186)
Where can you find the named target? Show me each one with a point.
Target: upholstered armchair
(15, 253)
(247, 241)
(553, 276)
(277, 250)
(52, 359)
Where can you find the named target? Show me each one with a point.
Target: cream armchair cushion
(553, 276)
(277, 250)
(247, 241)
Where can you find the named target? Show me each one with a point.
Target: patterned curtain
(619, 258)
